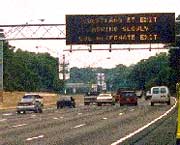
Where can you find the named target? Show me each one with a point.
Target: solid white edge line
(144, 127)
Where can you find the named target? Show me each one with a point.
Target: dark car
(90, 98)
(66, 101)
(127, 97)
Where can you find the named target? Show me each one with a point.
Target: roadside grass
(10, 99)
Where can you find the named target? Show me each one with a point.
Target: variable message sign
(120, 29)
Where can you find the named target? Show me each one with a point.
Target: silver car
(30, 103)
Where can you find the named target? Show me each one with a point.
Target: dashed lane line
(2, 120)
(121, 113)
(19, 125)
(7, 114)
(35, 137)
(80, 125)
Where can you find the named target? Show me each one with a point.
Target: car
(148, 95)
(128, 97)
(66, 101)
(30, 103)
(105, 98)
(90, 97)
(160, 94)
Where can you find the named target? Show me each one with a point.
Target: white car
(105, 99)
(160, 94)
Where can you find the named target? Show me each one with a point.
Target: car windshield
(128, 94)
(163, 90)
(155, 91)
(28, 97)
(105, 95)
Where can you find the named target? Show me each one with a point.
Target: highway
(87, 125)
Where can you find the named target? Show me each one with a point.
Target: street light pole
(1, 65)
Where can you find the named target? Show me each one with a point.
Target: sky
(54, 11)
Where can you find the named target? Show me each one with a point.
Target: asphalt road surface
(86, 125)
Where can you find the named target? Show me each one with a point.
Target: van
(160, 94)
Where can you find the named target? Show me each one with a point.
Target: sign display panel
(120, 29)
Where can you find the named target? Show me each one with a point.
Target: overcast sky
(54, 11)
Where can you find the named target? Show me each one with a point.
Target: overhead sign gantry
(140, 28)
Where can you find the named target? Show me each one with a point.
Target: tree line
(28, 71)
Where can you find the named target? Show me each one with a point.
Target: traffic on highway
(88, 124)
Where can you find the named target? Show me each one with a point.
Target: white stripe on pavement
(7, 114)
(19, 125)
(80, 125)
(3, 120)
(144, 127)
(120, 113)
(55, 118)
(36, 137)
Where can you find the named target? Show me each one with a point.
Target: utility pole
(63, 71)
(1, 65)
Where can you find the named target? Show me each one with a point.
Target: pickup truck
(90, 98)
(30, 103)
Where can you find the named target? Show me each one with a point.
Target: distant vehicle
(66, 101)
(148, 95)
(160, 94)
(105, 99)
(30, 103)
(128, 97)
(139, 93)
(90, 98)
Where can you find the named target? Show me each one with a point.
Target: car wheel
(40, 110)
(168, 103)
(86, 103)
(36, 109)
(120, 104)
(99, 104)
(18, 112)
(152, 104)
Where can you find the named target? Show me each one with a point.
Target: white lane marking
(3, 120)
(19, 125)
(144, 127)
(55, 118)
(80, 125)
(61, 117)
(120, 113)
(7, 114)
(33, 115)
(79, 113)
(105, 118)
(132, 110)
(35, 137)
